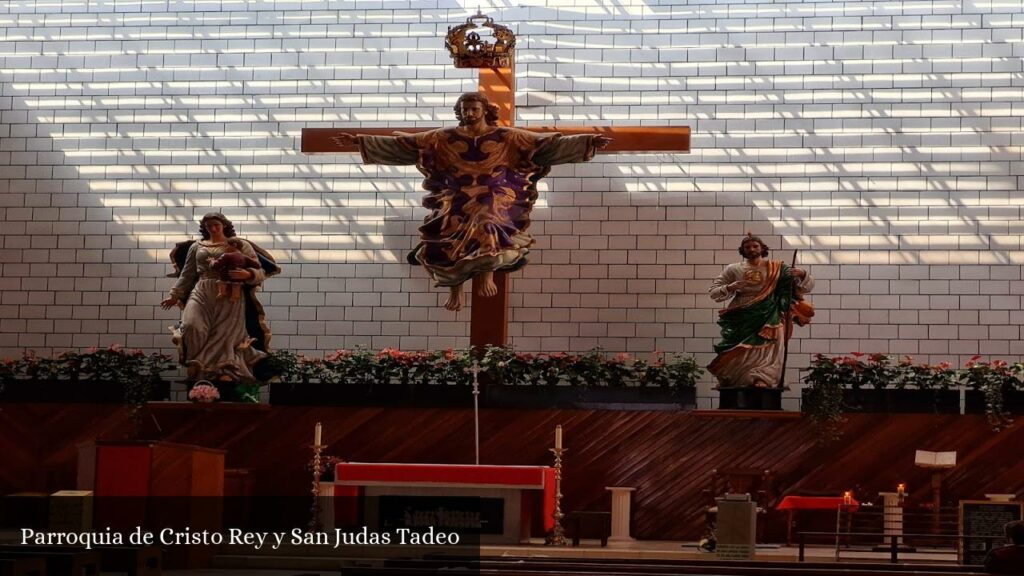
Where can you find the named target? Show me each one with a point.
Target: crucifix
(495, 62)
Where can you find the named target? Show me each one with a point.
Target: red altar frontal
(794, 504)
(501, 501)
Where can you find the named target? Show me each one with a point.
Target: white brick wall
(882, 138)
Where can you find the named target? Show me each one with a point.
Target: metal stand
(475, 370)
(557, 535)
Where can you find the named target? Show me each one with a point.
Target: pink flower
(92, 350)
(115, 348)
(856, 354)
(622, 357)
(204, 393)
(943, 365)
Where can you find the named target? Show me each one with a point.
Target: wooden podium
(155, 485)
(148, 468)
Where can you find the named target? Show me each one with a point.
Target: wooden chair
(754, 481)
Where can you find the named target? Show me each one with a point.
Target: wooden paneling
(667, 456)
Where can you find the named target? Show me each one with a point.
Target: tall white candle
(316, 434)
(558, 436)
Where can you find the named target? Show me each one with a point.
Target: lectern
(155, 485)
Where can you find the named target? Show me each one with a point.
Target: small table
(794, 503)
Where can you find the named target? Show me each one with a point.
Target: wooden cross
(489, 316)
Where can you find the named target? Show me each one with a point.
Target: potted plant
(875, 383)
(923, 388)
(509, 379)
(98, 375)
(988, 385)
(590, 380)
(823, 394)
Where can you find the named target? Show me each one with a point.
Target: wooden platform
(640, 558)
(667, 456)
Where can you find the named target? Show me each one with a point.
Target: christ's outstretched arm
(558, 149)
(398, 150)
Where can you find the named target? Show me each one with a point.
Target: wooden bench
(589, 525)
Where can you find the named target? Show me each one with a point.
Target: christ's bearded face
(472, 112)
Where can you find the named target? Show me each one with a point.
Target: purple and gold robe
(480, 192)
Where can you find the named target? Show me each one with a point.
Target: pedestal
(892, 522)
(750, 398)
(622, 500)
(736, 527)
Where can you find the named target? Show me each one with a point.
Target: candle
(558, 436)
(848, 497)
(316, 434)
(901, 489)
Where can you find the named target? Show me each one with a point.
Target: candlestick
(557, 535)
(317, 467)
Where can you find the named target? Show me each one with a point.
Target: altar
(498, 503)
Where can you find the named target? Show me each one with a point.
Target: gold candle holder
(557, 535)
(317, 466)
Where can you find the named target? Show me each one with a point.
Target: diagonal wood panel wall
(667, 456)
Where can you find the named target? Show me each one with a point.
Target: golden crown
(469, 50)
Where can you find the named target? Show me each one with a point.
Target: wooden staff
(786, 330)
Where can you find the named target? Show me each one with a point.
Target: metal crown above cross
(489, 316)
